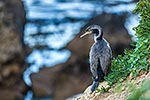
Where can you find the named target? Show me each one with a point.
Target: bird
(100, 55)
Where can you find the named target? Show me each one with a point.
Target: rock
(112, 94)
(88, 95)
(59, 82)
(64, 80)
(12, 56)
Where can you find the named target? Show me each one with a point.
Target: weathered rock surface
(64, 80)
(12, 19)
(112, 94)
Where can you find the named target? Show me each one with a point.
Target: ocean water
(51, 24)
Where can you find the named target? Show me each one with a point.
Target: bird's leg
(95, 83)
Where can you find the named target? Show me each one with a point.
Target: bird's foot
(94, 85)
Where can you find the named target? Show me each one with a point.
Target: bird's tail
(100, 77)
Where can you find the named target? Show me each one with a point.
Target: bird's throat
(97, 37)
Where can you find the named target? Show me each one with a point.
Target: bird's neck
(97, 37)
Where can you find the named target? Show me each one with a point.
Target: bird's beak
(86, 33)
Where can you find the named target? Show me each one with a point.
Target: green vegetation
(141, 93)
(139, 58)
(102, 89)
(130, 86)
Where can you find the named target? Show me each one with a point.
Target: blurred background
(42, 56)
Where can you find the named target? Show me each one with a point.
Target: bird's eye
(86, 30)
(89, 30)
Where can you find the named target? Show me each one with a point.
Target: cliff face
(12, 20)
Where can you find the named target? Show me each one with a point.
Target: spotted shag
(100, 55)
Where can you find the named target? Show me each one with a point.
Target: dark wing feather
(105, 60)
(100, 71)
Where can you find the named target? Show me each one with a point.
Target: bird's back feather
(100, 56)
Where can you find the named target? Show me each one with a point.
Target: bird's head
(93, 29)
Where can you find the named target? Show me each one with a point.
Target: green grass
(141, 93)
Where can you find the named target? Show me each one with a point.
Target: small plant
(101, 90)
